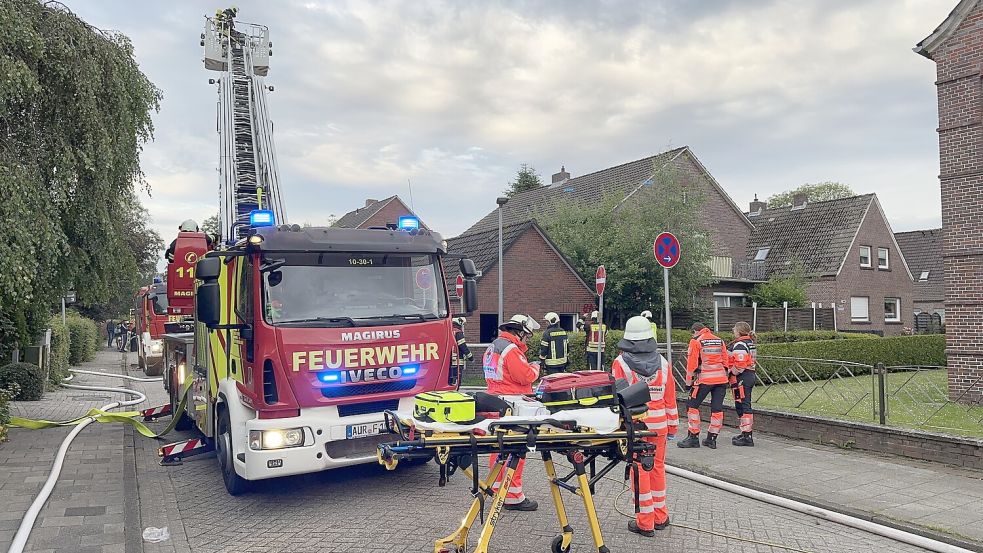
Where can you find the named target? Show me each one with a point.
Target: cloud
(454, 95)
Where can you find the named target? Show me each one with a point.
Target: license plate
(353, 431)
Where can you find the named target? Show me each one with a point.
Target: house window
(762, 254)
(923, 277)
(865, 256)
(882, 261)
(488, 327)
(892, 310)
(859, 309)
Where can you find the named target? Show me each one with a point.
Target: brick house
(848, 253)
(956, 46)
(922, 250)
(538, 278)
(376, 213)
(728, 226)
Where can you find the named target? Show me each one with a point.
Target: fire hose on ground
(30, 517)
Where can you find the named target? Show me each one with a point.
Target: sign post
(600, 278)
(666, 250)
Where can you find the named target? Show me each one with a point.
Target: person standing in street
(596, 333)
(706, 374)
(553, 346)
(110, 332)
(742, 355)
(463, 352)
(640, 360)
(507, 372)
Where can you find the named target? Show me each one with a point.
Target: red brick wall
(958, 62)
(389, 214)
(536, 282)
(729, 232)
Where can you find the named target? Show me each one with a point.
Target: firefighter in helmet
(463, 352)
(596, 332)
(553, 346)
(507, 372)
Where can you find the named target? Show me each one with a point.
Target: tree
(619, 234)
(212, 226)
(75, 110)
(525, 179)
(789, 288)
(815, 192)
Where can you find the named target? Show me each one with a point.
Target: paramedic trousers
(514, 495)
(743, 404)
(652, 487)
(697, 395)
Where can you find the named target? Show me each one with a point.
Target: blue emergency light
(410, 370)
(409, 222)
(329, 377)
(261, 218)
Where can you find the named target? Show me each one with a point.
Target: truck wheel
(141, 360)
(234, 484)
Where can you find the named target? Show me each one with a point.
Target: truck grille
(367, 407)
(270, 395)
(358, 447)
(368, 389)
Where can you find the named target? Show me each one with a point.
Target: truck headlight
(276, 439)
(155, 347)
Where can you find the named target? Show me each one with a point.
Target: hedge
(59, 364)
(25, 379)
(5, 396)
(84, 339)
(897, 351)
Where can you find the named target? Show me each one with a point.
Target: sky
(448, 99)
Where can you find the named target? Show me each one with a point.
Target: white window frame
(897, 310)
(924, 276)
(762, 253)
(869, 258)
(887, 258)
(853, 317)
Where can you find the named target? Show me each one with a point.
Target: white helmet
(527, 323)
(459, 321)
(638, 328)
(647, 314)
(593, 314)
(552, 318)
(189, 226)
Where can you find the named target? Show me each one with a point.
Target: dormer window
(923, 277)
(762, 254)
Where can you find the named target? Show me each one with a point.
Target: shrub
(59, 364)
(84, 339)
(920, 350)
(25, 379)
(5, 396)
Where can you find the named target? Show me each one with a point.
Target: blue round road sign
(666, 250)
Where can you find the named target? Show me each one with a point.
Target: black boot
(633, 527)
(526, 505)
(743, 440)
(710, 441)
(693, 440)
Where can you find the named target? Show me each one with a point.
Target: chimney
(757, 206)
(561, 176)
(799, 200)
(369, 202)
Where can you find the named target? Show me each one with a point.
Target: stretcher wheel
(557, 545)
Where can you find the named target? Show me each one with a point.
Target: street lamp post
(501, 270)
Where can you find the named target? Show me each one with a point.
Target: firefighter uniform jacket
(662, 416)
(743, 355)
(708, 354)
(553, 347)
(463, 352)
(506, 370)
(595, 336)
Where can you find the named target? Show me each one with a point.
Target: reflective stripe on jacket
(595, 336)
(506, 370)
(662, 413)
(743, 355)
(463, 352)
(708, 353)
(553, 347)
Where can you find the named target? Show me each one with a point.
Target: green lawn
(916, 399)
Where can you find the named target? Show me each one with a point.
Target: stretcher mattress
(601, 419)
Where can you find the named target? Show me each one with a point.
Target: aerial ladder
(249, 176)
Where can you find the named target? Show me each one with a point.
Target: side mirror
(468, 269)
(208, 303)
(470, 294)
(208, 268)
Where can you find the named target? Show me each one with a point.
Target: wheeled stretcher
(585, 437)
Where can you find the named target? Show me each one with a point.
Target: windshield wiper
(335, 321)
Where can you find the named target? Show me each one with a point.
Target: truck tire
(153, 369)
(141, 360)
(234, 484)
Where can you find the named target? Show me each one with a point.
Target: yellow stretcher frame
(512, 443)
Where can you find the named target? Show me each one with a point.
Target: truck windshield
(346, 289)
(159, 302)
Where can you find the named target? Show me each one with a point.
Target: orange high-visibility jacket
(507, 371)
(708, 353)
(743, 355)
(663, 416)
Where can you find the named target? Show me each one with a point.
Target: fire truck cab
(150, 314)
(304, 336)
